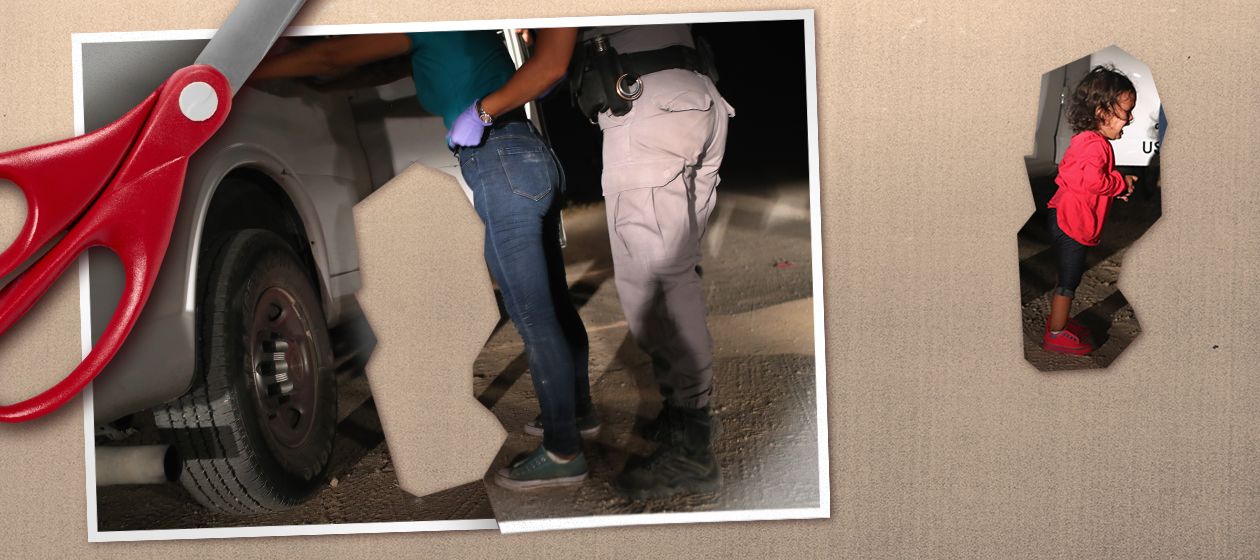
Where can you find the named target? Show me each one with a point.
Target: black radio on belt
(602, 80)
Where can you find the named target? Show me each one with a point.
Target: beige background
(944, 442)
(413, 220)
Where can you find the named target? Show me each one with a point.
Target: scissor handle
(132, 217)
(60, 179)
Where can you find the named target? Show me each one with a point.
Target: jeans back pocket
(530, 170)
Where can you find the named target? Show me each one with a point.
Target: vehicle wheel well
(249, 199)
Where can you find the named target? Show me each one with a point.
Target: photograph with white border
(183, 444)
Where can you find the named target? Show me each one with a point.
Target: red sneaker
(1066, 342)
(1079, 329)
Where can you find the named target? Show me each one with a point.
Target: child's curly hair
(1100, 89)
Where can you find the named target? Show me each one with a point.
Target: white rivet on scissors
(198, 101)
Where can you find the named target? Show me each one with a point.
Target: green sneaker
(540, 469)
(588, 426)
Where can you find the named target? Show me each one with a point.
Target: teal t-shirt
(453, 68)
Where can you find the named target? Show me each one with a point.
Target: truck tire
(251, 441)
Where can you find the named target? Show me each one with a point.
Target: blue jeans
(515, 180)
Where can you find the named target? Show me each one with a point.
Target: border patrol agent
(664, 125)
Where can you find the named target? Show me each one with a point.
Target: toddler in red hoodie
(1100, 108)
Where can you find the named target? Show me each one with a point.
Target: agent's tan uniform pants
(660, 184)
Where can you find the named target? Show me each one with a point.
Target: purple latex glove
(467, 129)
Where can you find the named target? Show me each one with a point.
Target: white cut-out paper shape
(428, 297)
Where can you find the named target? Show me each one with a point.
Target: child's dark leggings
(1071, 257)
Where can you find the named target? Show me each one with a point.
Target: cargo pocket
(631, 189)
(640, 174)
(530, 170)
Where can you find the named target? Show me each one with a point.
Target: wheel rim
(284, 370)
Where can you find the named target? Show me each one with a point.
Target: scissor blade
(240, 44)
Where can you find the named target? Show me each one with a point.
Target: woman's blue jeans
(515, 180)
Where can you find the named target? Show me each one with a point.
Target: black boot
(659, 429)
(684, 462)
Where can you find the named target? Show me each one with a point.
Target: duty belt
(601, 79)
(635, 65)
(646, 62)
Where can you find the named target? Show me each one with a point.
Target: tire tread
(221, 469)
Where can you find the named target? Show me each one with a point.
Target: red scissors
(119, 187)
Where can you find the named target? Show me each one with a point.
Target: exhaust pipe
(138, 464)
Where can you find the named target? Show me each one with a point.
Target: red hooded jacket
(1088, 182)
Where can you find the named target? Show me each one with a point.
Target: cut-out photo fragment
(1094, 175)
